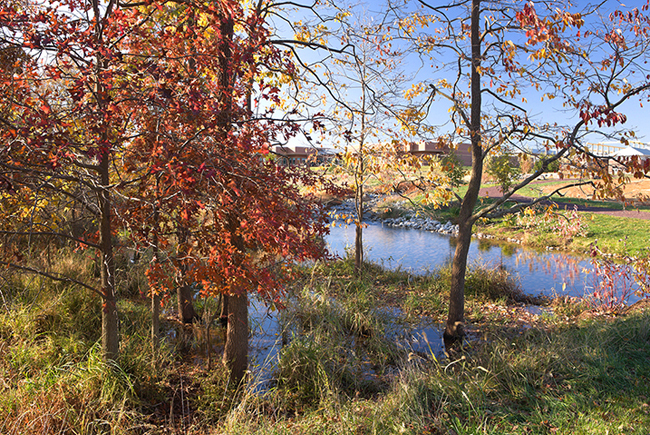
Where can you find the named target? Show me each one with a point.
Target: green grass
(337, 373)
(615, 235)
(619, 235)
(586, 379)
(614, 205)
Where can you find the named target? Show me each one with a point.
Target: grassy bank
(339, 370)
(614, 235)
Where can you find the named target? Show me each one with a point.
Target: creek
(539, 273)
(422, 252)
(423, 339)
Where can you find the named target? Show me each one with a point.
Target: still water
(418, 251)
(547, 273)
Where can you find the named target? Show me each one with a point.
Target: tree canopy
(150, 119)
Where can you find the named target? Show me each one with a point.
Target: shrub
(567, 225)
(615, 282)
(502, 170)
(453, 167)
(551, 167)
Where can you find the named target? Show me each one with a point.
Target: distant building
(311, 156)
(302, 155)
(427, 148)
(629, 151)
(434, 148)
(609, 149)
(463, 151)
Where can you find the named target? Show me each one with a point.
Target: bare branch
(52, 276)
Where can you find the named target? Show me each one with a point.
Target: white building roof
(630, 151)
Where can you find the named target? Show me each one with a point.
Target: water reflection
(270, 332)
(546, 273)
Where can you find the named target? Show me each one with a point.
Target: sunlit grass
(619, 235)
(616, 235)
(338, 372)
(586, 379)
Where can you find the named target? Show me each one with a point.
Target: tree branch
(52, 276)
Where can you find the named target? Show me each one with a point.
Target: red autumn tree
(204, 155)
(63, 125)
(151, 117)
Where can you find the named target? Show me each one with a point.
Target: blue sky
(547, 111)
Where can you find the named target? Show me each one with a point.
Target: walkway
(495, 192)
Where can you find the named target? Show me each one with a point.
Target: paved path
(495, 192)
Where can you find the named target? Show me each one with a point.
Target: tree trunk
(185, 299)
(155, 297)
(155, 321)
(223, 317)
(358, 249)
(184, 296)
(235, 354)
(454, 331)
(358, 239)
(110, 335)
(359, 182)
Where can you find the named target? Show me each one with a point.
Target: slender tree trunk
(454, 331)
(184, 291)
(110, 337)
(155, 321)
(155, 297)
(359, 181)
(235, 354)
(223, 317)
(110, 333)
(358, 249)
(358, 239)
(185, 300)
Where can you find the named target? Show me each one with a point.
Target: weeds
(614, 282)
(333, 344)
(339, 370)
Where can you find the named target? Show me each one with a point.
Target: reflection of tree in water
(564, 266)
(483, 245)
(507, 249)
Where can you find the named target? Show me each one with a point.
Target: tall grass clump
(86, 397)
(54, 379)
(493, 284)
(334, 347)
